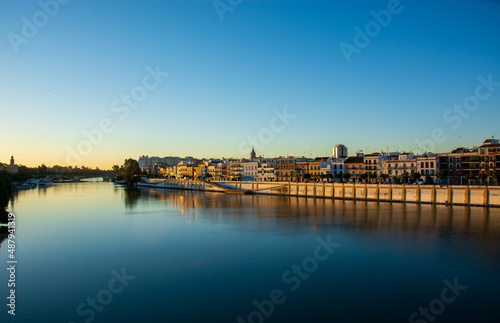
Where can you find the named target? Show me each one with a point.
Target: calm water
(206, 257)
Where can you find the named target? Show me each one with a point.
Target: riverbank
(484, 196)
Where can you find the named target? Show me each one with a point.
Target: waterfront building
(314, 169)
(337, 166)
(451, 165)
(235, 170)
(285, 169)
(250, 170)
(490, 157)
(354, 166)
(428, 165)
(405, 163)
(266, 172)
(301, 168)
(372, 162)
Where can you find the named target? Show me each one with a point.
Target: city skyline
(289, 78)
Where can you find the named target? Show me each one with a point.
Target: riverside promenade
(485, 196)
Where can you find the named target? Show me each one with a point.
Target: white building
(266, 172)
(428, 165)
(250, 170)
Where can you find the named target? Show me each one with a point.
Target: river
(95, 252)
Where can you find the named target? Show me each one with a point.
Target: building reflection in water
(292, 213)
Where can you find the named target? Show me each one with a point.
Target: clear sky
(227, 78)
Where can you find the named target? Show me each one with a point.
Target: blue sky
(226, 77)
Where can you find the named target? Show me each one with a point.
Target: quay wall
(488, 196)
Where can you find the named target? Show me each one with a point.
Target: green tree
(483, 177)
(405, 176)
(440, 176)
(372, 176)
(496, 176)
(363, 177)
(415, 176)
(131, 171)
(5, 194)
(329, 176)
(306, 176)
(346, 176)
(338, 176)
(42, 170)
(385, 177)
(116, 169)
(428, 179)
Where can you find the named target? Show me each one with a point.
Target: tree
(470, 178)
(329, 176)
(5, 193)
(373, 176)
(440, 176)
(483, 177)
(116, 169)
(496, 176)
(131, 171)
(415, 176)
(428, 179)
(405, 176)
(346, 176)
(384, 177)
(363, 177)
(42, 170)
(306, 176)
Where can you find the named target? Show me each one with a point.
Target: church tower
(252, 154)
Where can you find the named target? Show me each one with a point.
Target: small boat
(44, 182)
(121, 182)
(30, 183)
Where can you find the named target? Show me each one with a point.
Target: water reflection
(292, 212)
(131, 196)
